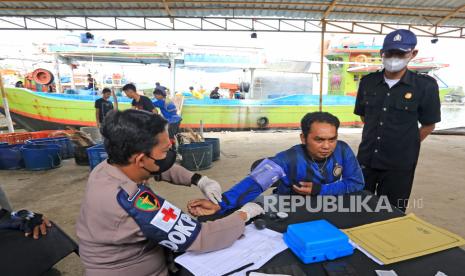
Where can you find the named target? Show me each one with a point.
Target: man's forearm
(178, 175)
(245, 191)
(219, 234)
(426, 130)
(97, 117)
(114, 98)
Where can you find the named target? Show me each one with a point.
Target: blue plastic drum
(66, 147)
(41, 157)
(196, 156)
(10, 157)
(216, 147)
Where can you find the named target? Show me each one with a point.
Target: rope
(201, 160)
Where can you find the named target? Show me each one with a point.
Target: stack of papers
(256, 246)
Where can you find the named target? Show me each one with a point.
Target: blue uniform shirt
(341, 174)
(168, 110)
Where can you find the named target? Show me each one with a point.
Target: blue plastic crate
(96, 155)
(317, 241)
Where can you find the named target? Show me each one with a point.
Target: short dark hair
(157, 83)
(129, 86)
(320, 117)
(159, 91)
(130, 132)
(106, 90)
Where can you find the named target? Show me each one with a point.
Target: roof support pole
(322, 55)
(173, 76)
(57, 74)
(252, 82)
(5, 106)
(73, 81)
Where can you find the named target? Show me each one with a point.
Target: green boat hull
(34, 111)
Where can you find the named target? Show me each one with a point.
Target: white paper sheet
(386, 273)
(256, 246)
(376, 260)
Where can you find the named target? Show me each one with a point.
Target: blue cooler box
(317, 241)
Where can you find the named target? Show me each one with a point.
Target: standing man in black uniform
(391, 103)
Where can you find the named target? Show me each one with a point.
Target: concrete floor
(439, 182)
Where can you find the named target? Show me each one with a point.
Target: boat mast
(5, 106)
(173, 75)
(57, 72)
(323, 30)
(252, 83)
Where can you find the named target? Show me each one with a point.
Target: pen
(238, 269)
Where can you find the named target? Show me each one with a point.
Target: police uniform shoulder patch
(159, 220)
(146, 201)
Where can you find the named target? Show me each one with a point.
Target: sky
(286, 46)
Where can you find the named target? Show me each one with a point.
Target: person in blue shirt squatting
(169, 111)
(321, 165)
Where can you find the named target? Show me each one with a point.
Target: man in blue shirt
(169, 111)
(321, 165)
(160, 87)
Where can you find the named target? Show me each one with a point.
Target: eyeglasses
(394, 53)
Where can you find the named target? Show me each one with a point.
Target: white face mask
(395, 64)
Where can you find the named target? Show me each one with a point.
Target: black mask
(163, 164)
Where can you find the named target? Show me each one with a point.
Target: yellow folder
(402, 238)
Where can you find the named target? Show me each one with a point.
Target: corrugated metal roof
(427, 12)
